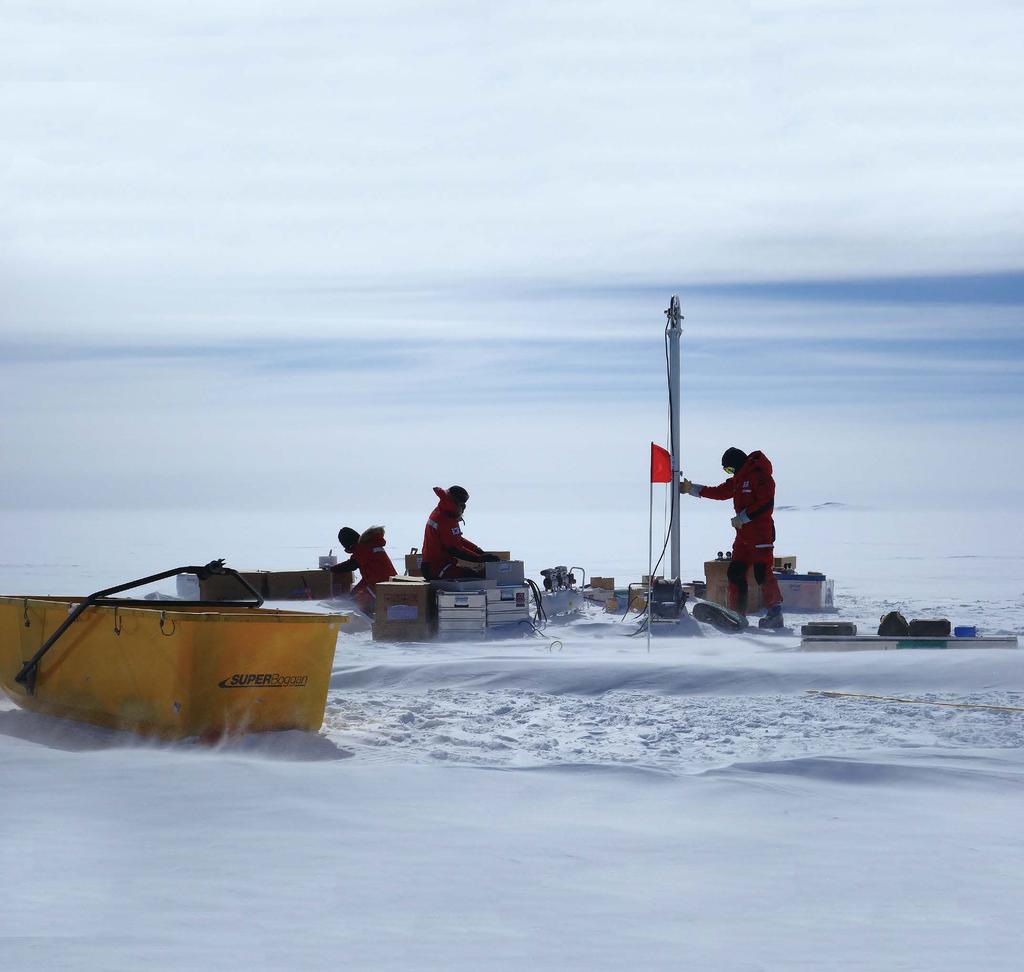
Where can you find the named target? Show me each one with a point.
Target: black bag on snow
(893, 623)
(934, 628)
(718, 617)
(844, 628)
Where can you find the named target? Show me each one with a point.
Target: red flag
(661, 465)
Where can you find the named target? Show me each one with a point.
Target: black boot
(773, 619)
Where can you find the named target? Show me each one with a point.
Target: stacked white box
(459, 602)
(507, 573)
(508, 605)
(474, 584)
(459, 611)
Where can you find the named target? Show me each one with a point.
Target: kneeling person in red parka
(368, 556)
(751, 488)
(443, 542)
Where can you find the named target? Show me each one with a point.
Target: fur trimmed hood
(374, 535)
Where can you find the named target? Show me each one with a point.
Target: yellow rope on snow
(892, 698)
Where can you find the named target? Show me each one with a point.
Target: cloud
(569, 410)
(274, 250)
(385, 141)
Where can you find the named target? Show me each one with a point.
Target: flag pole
(650, 556)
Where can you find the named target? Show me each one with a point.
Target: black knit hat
(348, 537)
(458, 494)
(733, 458)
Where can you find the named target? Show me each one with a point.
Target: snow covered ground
(540, 804)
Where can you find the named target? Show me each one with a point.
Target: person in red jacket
(443, 542)
(751, 488)
(368, 556)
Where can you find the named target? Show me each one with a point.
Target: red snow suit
(752, 491)
(374, 565)
(441, 534)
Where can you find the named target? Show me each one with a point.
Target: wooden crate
(718, 585)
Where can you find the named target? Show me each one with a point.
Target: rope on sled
(893, 698)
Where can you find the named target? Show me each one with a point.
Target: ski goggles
(730, 470)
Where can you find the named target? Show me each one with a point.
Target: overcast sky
(382, 245)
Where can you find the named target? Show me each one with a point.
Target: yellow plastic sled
(171, 669)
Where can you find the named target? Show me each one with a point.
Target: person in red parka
(368, 556)
(751, 488)
(443, 542)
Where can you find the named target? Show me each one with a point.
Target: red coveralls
(752, 490)
(374, 566)
(441, 534)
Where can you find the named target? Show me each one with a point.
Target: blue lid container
(965, 631)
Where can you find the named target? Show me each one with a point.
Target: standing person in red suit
(368, 556)
(751, 488)
(443, 542)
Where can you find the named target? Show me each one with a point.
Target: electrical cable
(671, 439)
(552, 643)
(542, 615)
(645, 620)
(624, 613)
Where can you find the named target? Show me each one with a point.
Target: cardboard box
(405, 610)
(603, 583)
(784, 563)
(404, 599)
(311, 585)
(341, 582)
(413, 563)
(274, 585)
(224, 587)
(717, 592)
(403, 631)
(800, 592)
